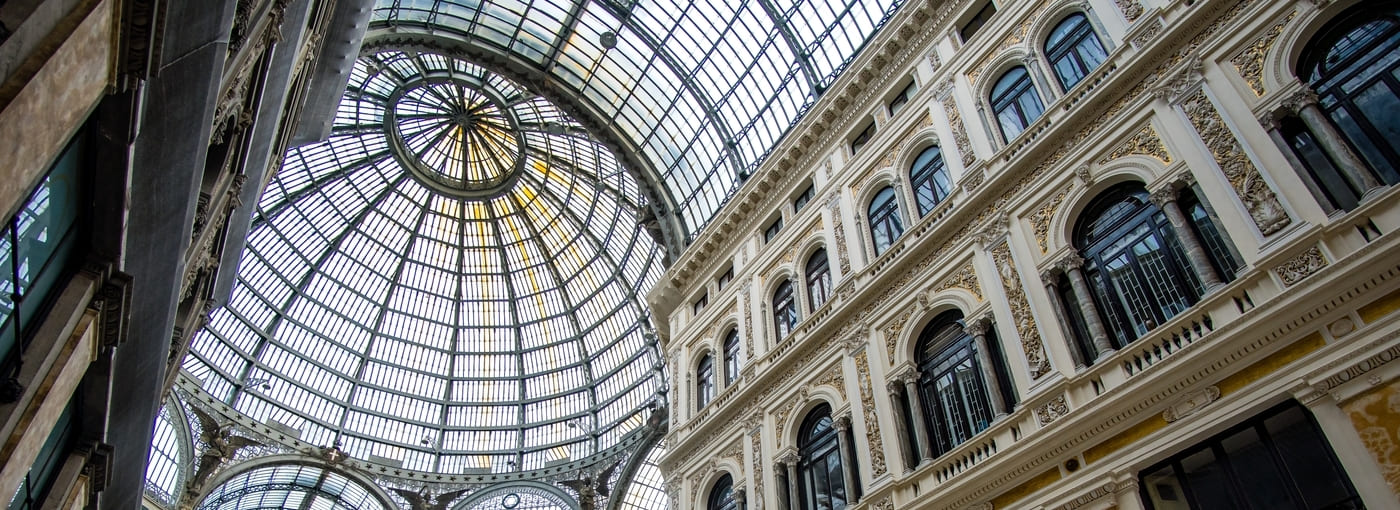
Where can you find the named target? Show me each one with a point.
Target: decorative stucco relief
(1014, 37)
(1261, 202)
(1301, 266)
(1040, 220)
(1021, 311)
(755, 437)
(1376, 416)
(833, 203)
(1052, 410)
(955, 122)
(872, 422)
(903, 143)
(1145, 142)
(894, 330)
(1250, 61)
(1132, 9)
(965, 278)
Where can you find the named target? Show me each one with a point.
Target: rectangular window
(701, 303)
(37, 243)
(1277, 460)
(802, 199)
(863, 137)
(724, 279)
(772, 230)
(901, 99)
(974, 24)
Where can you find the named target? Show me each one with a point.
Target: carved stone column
(977, 329)
(848, 459)
(787, 463)
(1271, 122)
(1304, 103)
(916, 409)
(740, 500)
(1165, 198)
(1072, 266)
(908, 452)
(1052, 290)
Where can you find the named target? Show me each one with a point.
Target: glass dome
(454, 282)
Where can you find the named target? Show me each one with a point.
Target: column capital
(1301, 99)
(789, 457)
(739, 494)
(975, 328)
(1070, 262)
(905, 374)
(1050, 276)
(1163, 195)
(842, 423)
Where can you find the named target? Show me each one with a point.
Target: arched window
(1354, 66)
(1133, 262)
(952, 387)
(1015, 102)
(821, 477)
(929, 177)
(1074, 50)
(731, 357)
(784, 310)
(722, 495)
(818, 279)
(884, 220)
(704, 382)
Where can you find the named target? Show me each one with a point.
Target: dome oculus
(457, 137)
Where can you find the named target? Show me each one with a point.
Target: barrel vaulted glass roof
(701, 90)
(454, 281)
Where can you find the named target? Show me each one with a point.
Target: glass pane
(1379, 104)
(1308, 459)
(1261, 482)
(1164, 491)
(1209, 484)
(1359, 139)
(837, 480)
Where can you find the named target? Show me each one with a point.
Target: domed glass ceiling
(702, 91)
(454, 281)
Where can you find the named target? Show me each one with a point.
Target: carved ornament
(1052, 410)
(1021, 312)
(1263, 206)
(1301, 266)
(1191, 403)
(1145, 142)
(1250, 61)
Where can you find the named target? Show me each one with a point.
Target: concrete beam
(167, 166)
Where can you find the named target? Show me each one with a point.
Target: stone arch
(1131, 168)
(938, 304)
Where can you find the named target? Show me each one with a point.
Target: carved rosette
(872, 423)
(960, 139)
(1263, 205)
(1021, 312)
(965, 278)
(1250, 61)
(833, 203)
(1145, 143)
(1052, 410)
(1301, 266)
(1040, 220)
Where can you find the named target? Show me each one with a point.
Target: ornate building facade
(575, 255)
(1092, 254)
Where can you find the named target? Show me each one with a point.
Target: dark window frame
(731, 357)
(930, 180)
(1071, 48)
(974, 24)
(704, 381)
(819, 447)
(772, 230)
(722, 494)
(818, 276)
(785, 314)
(863, 137)
(803, 198)
(885, 223)
(1015, 98)
(954, 395)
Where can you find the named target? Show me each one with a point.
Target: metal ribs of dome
(701, 91)
(497, 325)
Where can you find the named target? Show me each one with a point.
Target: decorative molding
(1249, 62)
(955, 123)
(1107, 489)
(1359, 368)
(872, 422)
(1052, 410)
(755, 438)
(1301, 266)
(1013, 37)
(1040, 220)
(833, 204)
(1131, 9)
(1023, 319)
(898, 147)
(1145, 142)
(1191, 403)
(965, 278)
(1263, 206)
